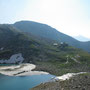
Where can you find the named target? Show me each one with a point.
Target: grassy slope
(50, 33)
(58, 66)
(42, 52)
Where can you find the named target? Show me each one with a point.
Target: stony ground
(79, 82)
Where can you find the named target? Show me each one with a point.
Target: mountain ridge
(47, 31)
(48, 55)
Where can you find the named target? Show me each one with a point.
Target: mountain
(14, 42)
(82, 38)
(44, 46)
(46, 31)
(47, 54)
(32, 48)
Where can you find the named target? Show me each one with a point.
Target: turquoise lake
(22, 83)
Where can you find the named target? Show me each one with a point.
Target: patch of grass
(59, 68)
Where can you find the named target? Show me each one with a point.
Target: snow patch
(13, 59)
(1, 48)
(67, 76)
(20, 70)
(67, 59)
(75, 60)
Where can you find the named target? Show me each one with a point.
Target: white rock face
(13, 59)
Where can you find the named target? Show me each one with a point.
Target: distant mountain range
(82, 38)
(46, 31)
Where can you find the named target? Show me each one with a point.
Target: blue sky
(71, 17)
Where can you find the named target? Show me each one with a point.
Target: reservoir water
(22, 83)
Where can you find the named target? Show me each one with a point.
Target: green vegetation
(48, 32)
(56, 59)
(58, 68)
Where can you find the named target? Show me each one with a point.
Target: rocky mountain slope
(49, 55)
(46, 31)
(78, 82)
(48, 49)
(12, 41)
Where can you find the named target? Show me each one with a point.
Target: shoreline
(77, 81)
(26, 70)
(20, 70)
(67, 76)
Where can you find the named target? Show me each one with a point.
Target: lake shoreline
(20, 70)
(80, 81)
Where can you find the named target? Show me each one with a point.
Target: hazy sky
(68, 16)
